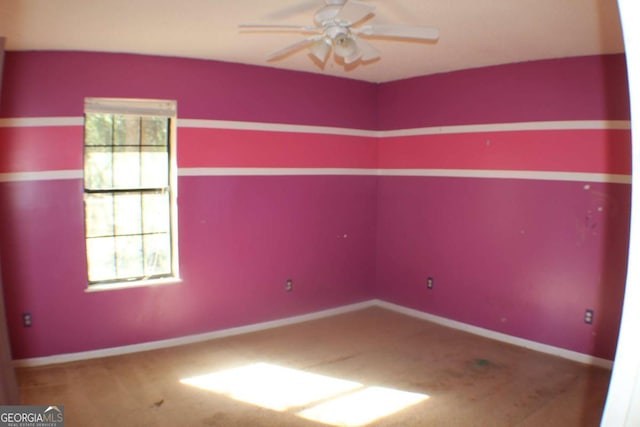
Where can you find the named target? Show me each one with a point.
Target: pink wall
(582, 88)
(519, 256)
(525, 257)
(240, 237)
(45, 84)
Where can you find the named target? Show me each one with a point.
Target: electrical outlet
(26, 320)
(588, 316)
(288, 285)
(429, 282)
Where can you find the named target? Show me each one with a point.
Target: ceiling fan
(339, 26)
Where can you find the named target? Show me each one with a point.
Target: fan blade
(292, 48)
(400, 31)
(368, 52)
(353, 58)
(280, 27)
(354, 11)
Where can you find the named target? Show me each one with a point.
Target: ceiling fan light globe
(345, 46)
(320, 50)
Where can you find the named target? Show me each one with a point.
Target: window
(129, 190)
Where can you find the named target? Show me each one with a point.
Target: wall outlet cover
(429, 282)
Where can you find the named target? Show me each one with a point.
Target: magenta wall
(581, 88)
(240, 237)
(524, 257)
(521, 256)
(44, 84)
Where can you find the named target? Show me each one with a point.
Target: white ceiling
(473, 33)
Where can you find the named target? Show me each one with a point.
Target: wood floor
(469, 380)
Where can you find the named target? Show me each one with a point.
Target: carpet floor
(371, 367)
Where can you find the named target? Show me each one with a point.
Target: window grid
(144, 253)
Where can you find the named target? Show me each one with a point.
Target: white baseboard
(509, 339)
(190, 339)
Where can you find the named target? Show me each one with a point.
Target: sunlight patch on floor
(362, 407)
(271, 386)
(335, 401)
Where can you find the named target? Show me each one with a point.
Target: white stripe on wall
(274, 127)
(24, 122)
(197, 123)
(282, 127)
(41, 176)
(444, 173)
(272, 171)
(510, 174)
(511, 127)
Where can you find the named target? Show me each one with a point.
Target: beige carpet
(372, 367)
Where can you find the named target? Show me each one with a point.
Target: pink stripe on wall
(47, 148)
(594, 151)
(233, 148)
(33, 149)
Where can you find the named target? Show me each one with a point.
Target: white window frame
(144, 107)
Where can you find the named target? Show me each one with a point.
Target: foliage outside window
(129, 190)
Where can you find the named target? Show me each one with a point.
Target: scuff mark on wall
(601, 206)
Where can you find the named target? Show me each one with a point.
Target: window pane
(127, 213)
(157, 254)
(128, 202)
(155, 167)
(101, 259)
(98, 168)
(97, 129)
(127, 130)
(129, 260)
(126, 167)
(156, 218)
(99, 215)
(155, 131)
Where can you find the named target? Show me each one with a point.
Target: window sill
(136, 284)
